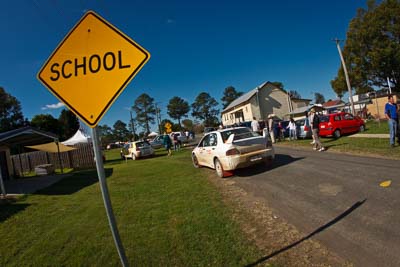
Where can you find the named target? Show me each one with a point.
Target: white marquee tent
(78, 138)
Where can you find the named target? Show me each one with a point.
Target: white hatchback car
(229, 149)
(137, 149)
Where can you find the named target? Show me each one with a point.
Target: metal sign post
(106, 197)
(3, 190)
(87, 72)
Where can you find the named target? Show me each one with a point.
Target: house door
(3, 166)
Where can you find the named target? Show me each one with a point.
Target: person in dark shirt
(167, 143)
(392, 117)
(315, 131)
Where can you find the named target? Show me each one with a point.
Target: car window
(324, 118)
(300, 122)
(205, 141)
(139, 144)
(348, 117)
(240, 133)
(337, 118)
(213, 139)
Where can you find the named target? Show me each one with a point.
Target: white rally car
(229, 149)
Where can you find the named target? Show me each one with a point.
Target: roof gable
(247, 96)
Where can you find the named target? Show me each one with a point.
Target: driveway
(335, 198)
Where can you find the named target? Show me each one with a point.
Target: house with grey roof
(260, 102)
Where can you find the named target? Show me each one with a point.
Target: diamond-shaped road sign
(91, 67)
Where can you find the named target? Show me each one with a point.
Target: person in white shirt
(254, 125)
(292, 130)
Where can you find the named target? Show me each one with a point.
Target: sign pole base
(106, 197)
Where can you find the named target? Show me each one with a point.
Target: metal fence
(81, 158)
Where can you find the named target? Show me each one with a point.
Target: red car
(340, 123)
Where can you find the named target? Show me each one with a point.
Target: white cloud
(53, 106)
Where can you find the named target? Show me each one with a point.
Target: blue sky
(195, 46)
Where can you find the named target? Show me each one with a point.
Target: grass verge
(376, 127)
(377, 147)
(167, 214)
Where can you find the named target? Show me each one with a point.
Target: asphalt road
(336, 199)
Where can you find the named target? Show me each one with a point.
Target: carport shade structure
(27, 136)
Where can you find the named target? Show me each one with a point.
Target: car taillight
(232, 152)
(306, 128)
(137, 149)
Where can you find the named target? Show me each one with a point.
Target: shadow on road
(280, 160)
(318, 230)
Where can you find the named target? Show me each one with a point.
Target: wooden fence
(81, 158)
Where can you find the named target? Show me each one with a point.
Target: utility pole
(346, 75)
(158, 116)
(132, 126)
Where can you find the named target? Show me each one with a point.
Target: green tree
(120, 131)
(145, 111)
(11, 116)
(45, 122)
(319, 98)
(294, 94)
(178, 108)
(188, 124)
(68, 123)
(174, 126)
(372, 48)
(230, 94)
(278, 84)
(205, 108)
(106, 134)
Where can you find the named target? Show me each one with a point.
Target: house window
(246, 108)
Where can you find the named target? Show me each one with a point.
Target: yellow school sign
(92, 66)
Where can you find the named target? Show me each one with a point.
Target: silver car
(303, 128)
(137, 149)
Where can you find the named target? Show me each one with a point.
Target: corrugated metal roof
(244, 97)
(26, 136)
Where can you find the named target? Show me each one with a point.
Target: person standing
(392, 117)
(255, 126)
(315, 130)
(167, 143)
(292, 129)
(310, 117)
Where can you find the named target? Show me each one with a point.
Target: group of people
(168, 141)
(276, 130)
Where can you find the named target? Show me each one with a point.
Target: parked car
(228, 149)
(137, 149)
(303, 128)
(181, 136)
(340, 123)
(157, 142)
